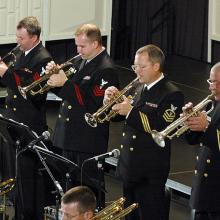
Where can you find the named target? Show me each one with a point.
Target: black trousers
(151, 199)
(88, 175)
(207, 215)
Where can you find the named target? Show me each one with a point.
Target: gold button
(122, 146)
(195, 171)
(67, 119)
(14, 109)
(197, 157)
(208, 161)
(69, 107)
(59, 116)
(123, 134)
(131, 148)
(15, 96)
(205, 174)
(134, 136)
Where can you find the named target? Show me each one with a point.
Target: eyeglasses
(135, 66)
(211, 82)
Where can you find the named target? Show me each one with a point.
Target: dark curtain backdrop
(178, 27)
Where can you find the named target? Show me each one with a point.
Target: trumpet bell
(91, 120)
(22, 91)
(158, 138)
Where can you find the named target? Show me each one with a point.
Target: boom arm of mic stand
(56, 156)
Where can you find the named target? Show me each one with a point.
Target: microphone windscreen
(116, 153)
(46, 135)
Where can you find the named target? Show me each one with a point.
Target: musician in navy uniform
(81, 94)
(30, 59)
(205, 131)
(143, 165)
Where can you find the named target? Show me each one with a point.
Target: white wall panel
(58, 18)
(213, 25)
(2, 22)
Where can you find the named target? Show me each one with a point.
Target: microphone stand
(99, 185)
(59, 190)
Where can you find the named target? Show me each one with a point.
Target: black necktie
(82, 65)
(144, 91)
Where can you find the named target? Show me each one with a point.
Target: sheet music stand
(21, 136)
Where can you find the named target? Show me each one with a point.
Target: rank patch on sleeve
(145, 122)
(170, 114)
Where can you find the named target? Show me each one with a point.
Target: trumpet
(44, 88)
(178, 127)
(103, 114)
(10, 53)
(7, 186)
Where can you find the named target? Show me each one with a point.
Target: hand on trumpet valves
(3, 68)
(110, 93)
(124, 107)
(58, 78)
(196, 122)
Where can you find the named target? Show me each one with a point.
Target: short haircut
(91, 31)
(83, 196)
(155, 54)
(31, 24)
(216, 67)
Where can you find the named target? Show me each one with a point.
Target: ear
(95, 44)
(34, 38)
(156, 67)
(88, 214)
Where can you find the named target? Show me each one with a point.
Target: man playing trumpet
(143, 165)
(205, 131)
(83, 93)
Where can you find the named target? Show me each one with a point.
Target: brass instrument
(178, 127)
(44, 88)
(10, 53)
(7, 186)
(115, 211)
(105, 113)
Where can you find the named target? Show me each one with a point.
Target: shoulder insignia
(170, 114)
(103, 82)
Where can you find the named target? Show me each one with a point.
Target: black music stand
(22, 137)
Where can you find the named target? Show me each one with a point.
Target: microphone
(45, 136)
(113, 153)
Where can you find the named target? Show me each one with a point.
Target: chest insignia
(87, 78)
(170, 114)
(103, 82)
(42, 71)
(153, 105)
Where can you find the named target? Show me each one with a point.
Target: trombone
(103, 114)
(178, 127)
(44, 88)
